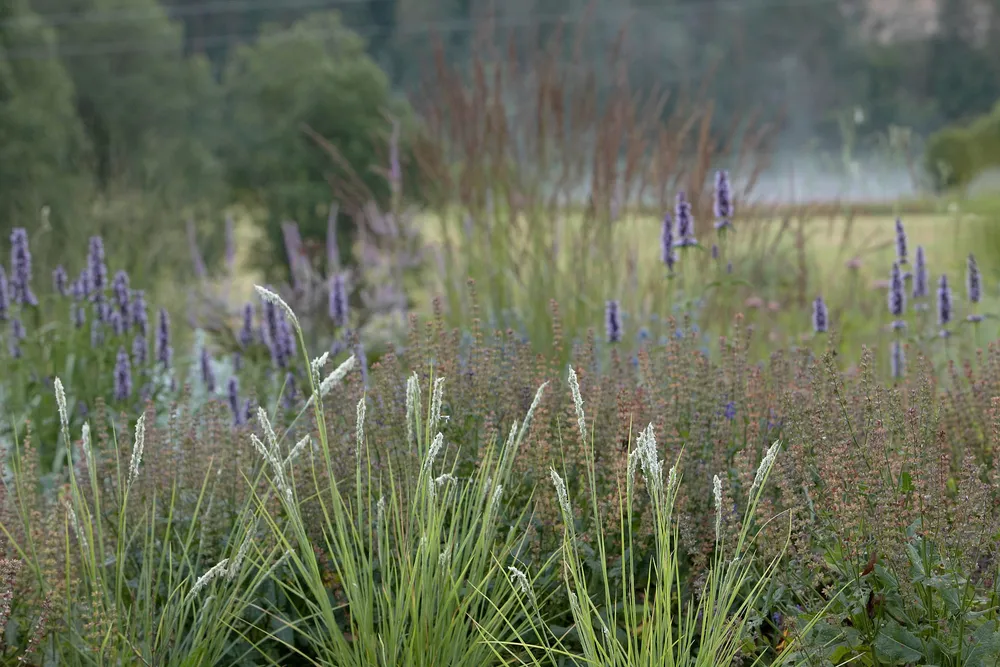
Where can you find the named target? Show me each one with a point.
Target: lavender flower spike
(973, 280)
(163, 349)
(897, 293)
(4, 296)
(20, 266)
(944, 306)
(921, 286)
(820, 318)
(612, 322)
(123, 376)
(901, 246)
(723, 201)
(60, 282)
(667, 254)
(685, 222)
(207, 374)
(338, 300)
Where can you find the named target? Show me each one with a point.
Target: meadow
(664, 424)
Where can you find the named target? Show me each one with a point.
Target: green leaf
(897, 645)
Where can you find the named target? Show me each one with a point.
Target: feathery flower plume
(218, 570)
(820, 318)
(921, 281)
(137, 447)
(901, 245)
(765, 465)
(531, 411)
(123, 376)
(574, 387)
(359, 428)
(412, 405)
(59, 281)
(334, 378)
(4, 295)
(717, 492)
(85, 438)
(612, 322)
(667, 254)
(20, 266)
(437, 398)
(61, 405)
(944, 308)
(897, 360)
(685, 222)
(723, 201)
(164, 353)
(207, 374)
(562, 494)
(338, 300)
(897, 293)
(233, 394)
(973, 280)
(270, 297)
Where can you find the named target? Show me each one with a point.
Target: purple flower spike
(944, 307)
(820, 318)
(612, 322)
(97, 271)
(233, 394)
(901, 246)
(123, 376)
(139, 351)
(140, 314)
(723, 201)
(4, 296)
(20, 265)
(290, 391)
(973, 280)
(120, 288)
(685, 222)
(921, 282)
(897, 293)
(667, 254)
(207, 374)
(338, 300)
(164, 352)
(117, 326)
(246, 331)
(59, 281)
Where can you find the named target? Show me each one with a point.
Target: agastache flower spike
(164, 353)
(123, 376)
(246, 332)
(820, 318)
(973, 281)
(901, 254)
(944, 307)
(897, 293)
(612, 322)
(338, 300)
(667, 254)
(97, 271)
(921, 286)
(233, 393)
(140, 316)
(20, 265)
(60, 281)
(120, 287)
(4, 296)
(139, 351)
(723, 201)
(207, 374)
(685, 222)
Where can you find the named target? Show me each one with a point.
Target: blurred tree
(313, 77)
(41, 139)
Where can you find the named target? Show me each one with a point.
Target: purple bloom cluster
(97, 270)
(667, 254)
(613, 322)
(820, 317)
(246, 331)
(685, 222)
(20, 266)
(944, 306)
(164, 352)
(140, 353)
(921, 286)
(897, 293)
(723, 201)
(338, 300)
(140, 314)
(122, 296)
(973, 280)
(60, 282)
(123, 376)
(901, 245)
(4, 295)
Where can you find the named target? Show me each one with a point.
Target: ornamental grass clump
(417, 550)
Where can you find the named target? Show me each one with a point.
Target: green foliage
(41, 138)
(957, 154)
(317, 75)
